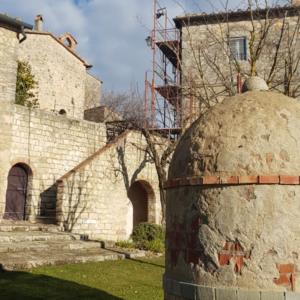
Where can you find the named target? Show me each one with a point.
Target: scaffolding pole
(162, 91)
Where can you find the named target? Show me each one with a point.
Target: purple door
(16, 193)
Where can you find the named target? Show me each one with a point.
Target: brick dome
(233, 197)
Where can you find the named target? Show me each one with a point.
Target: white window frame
(238, 54)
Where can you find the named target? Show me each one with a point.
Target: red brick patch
(195, 180)
(285, 179)
(288, 268)
(211, 180)
(287, 276)
(268, 179)
(232, 180)
(235, 252)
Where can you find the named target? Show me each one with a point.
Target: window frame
(239, 56)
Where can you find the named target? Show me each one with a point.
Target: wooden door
(16, 193)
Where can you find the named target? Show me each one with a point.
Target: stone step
(46, 219)
(29, 227)
(34, 236)
(52, 246)
(31, 259)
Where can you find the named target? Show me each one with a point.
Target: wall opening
(18, 180)
(62, 112)
(141, 195)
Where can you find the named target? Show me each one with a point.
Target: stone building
(214, 54)
(56, 166)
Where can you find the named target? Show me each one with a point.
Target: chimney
(38, 23)
(295, 2)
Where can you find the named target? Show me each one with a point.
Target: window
(238, 48)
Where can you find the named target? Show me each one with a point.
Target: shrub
(149, 237)
(156, 246)
(125, 244)
(144, 232)
(25, 86)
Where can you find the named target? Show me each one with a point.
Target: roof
(13, 23)
(235, 16)
(95, 77)
(87, 65)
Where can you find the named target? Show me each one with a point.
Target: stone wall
(50, 145)
(8, 70)
(8, 64)
(60, 75)
(92, 91)
(101, 114)
(93, 200)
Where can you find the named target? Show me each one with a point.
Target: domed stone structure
(233, 202)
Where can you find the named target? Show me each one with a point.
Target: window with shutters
(238, 48)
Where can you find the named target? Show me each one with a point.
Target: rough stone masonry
(60, 152)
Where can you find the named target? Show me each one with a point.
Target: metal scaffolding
(162, 82)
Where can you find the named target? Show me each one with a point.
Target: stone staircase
(25, 245)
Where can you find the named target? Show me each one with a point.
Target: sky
(110, 33)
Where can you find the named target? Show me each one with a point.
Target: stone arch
(18, 192)
(68, 40)
(142, 201)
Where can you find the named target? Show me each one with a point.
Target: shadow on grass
(135, 259)
(27, 286)
(147, 263)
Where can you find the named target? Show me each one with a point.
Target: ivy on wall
(25, 85)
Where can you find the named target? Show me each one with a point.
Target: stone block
(188, 291)
(248, 295)
(292, 296)
(205, 293)
(226, 294)
(272, 296)
(176, 288)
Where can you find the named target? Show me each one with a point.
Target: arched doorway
(141, 197)
(16, 193)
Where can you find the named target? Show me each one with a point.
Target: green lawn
(111, 280)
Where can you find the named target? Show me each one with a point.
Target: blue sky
(111, 33)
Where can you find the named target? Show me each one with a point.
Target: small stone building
(56, 166)
(233, 203)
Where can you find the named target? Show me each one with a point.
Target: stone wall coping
(190, 291)
(232, 180)
(55, 116)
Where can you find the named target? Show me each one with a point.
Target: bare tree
(129, 105)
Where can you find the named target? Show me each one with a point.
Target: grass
(111, 280)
